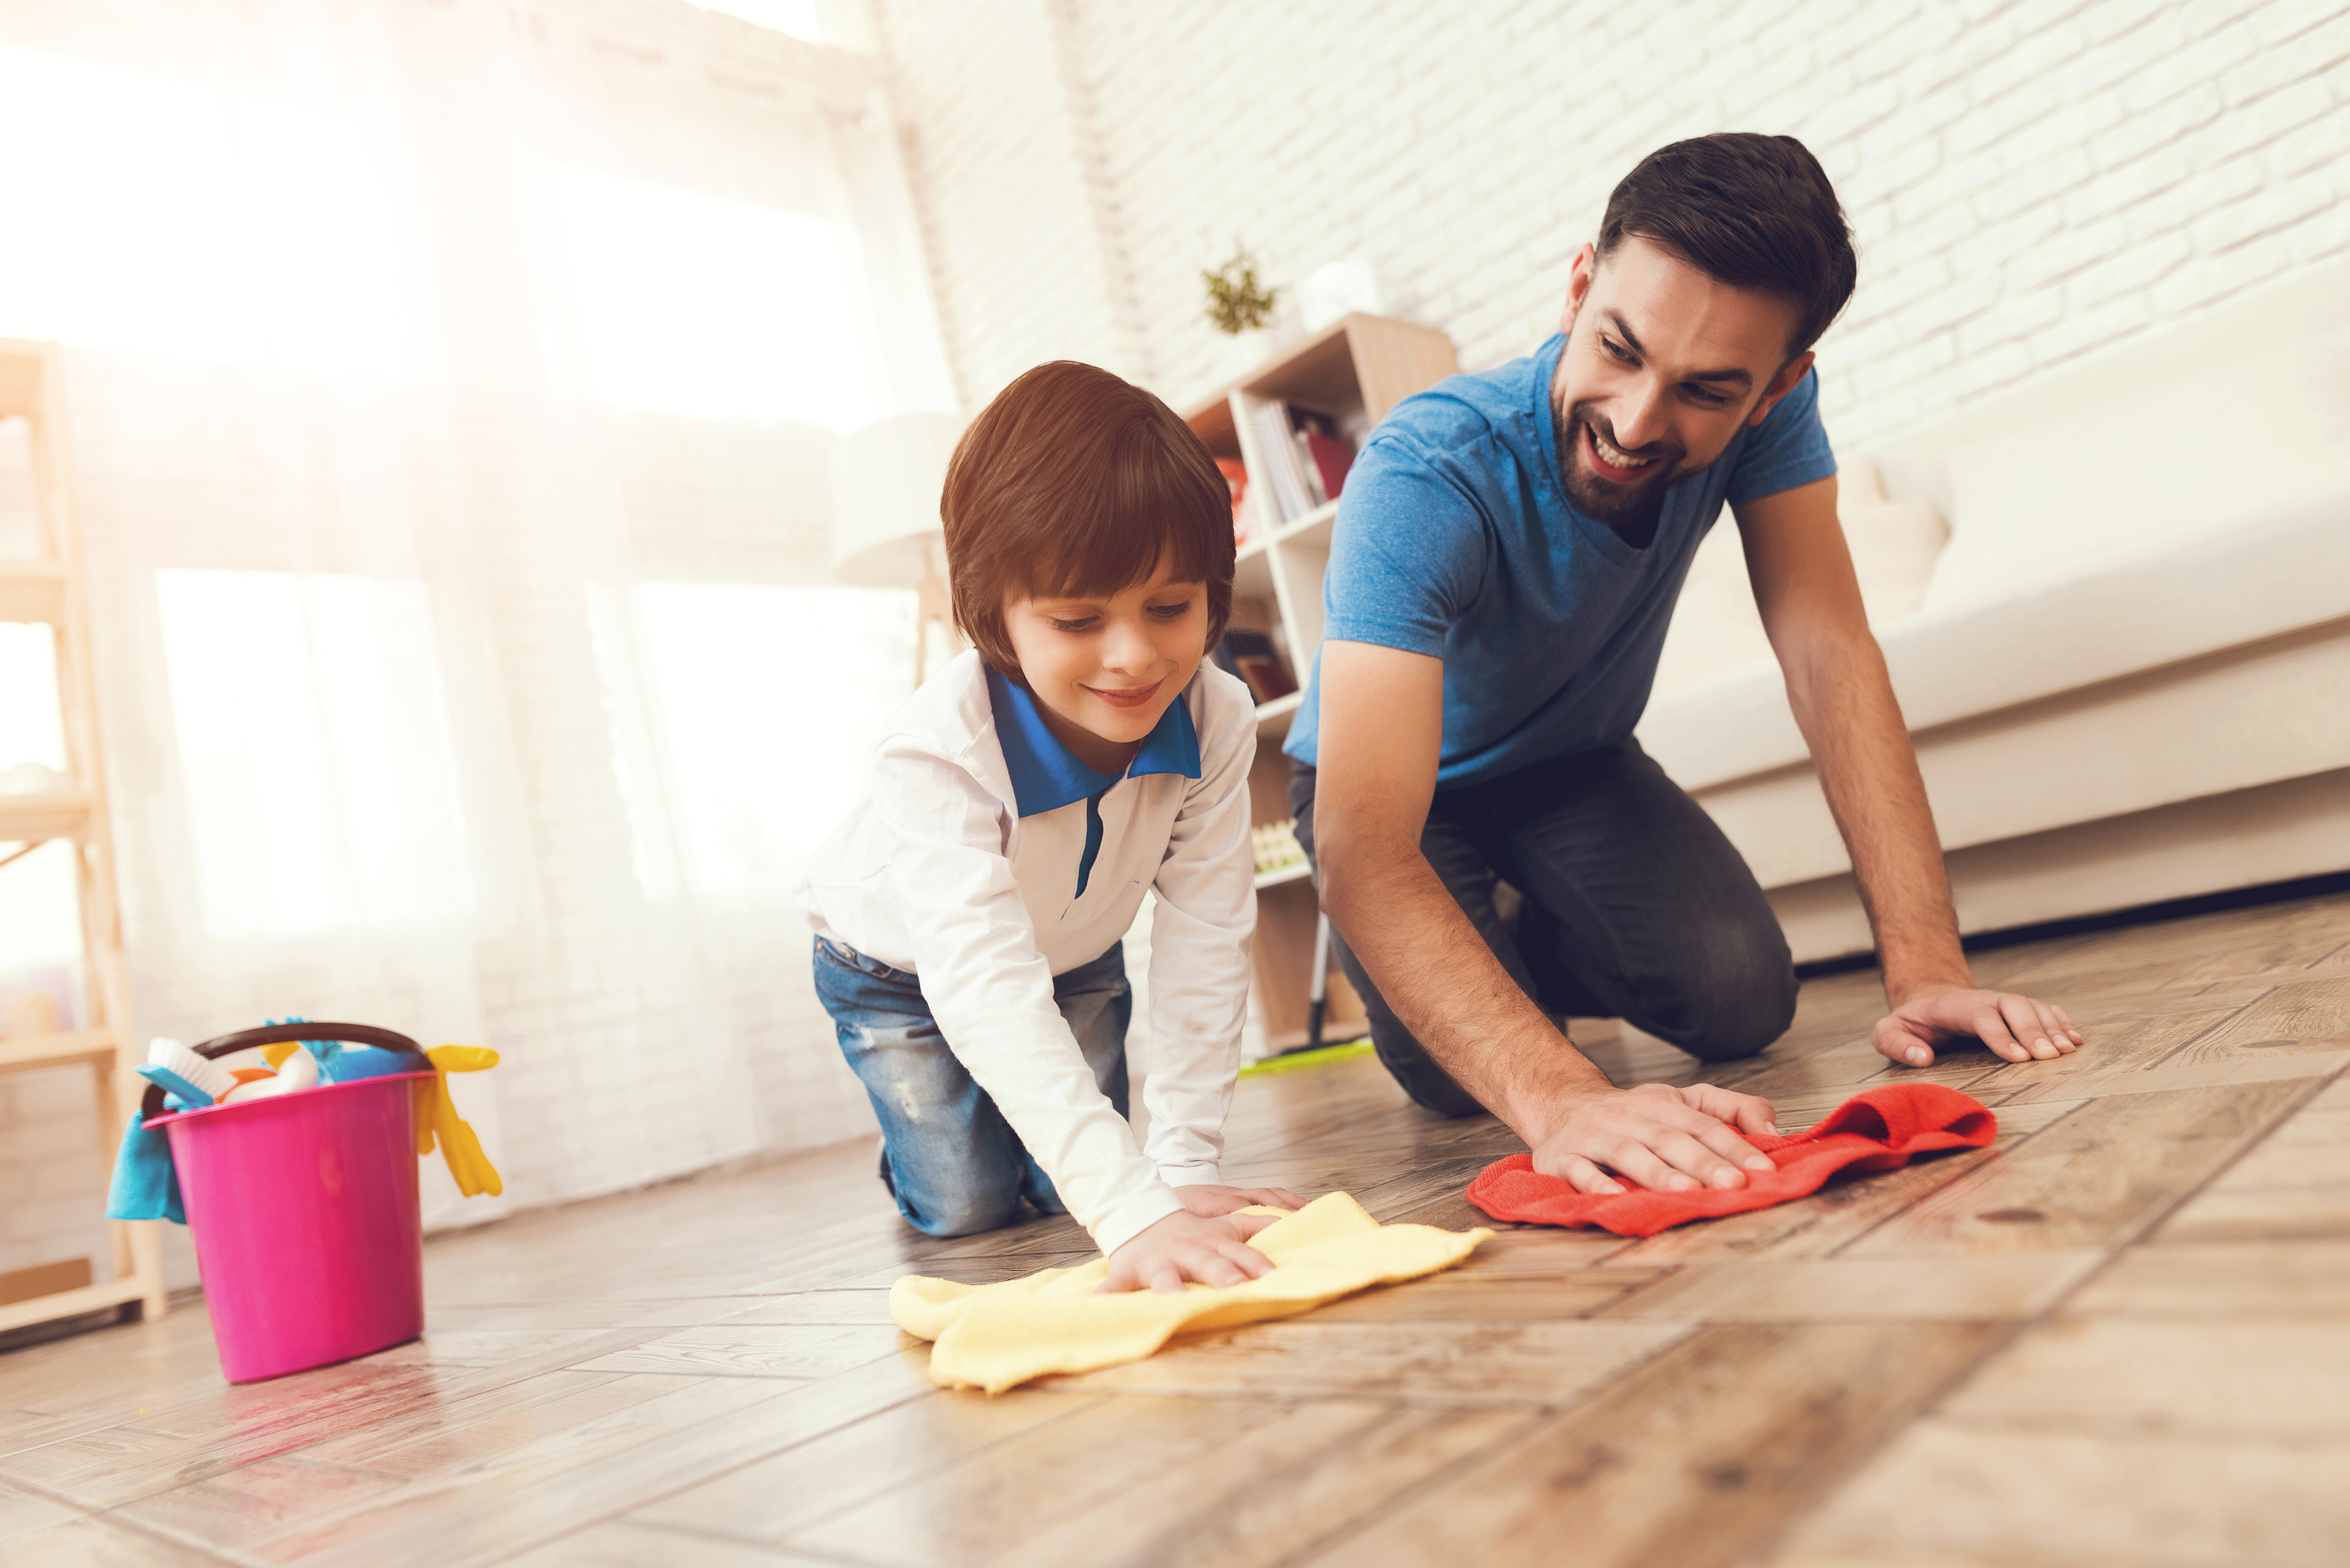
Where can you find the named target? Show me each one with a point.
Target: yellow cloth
(997, 1336)
(468, 1165)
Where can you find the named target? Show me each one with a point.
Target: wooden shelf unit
(1354, 370)
(48, 589)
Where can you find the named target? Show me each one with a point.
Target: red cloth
(1878, 1130)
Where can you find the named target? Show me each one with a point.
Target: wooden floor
(2122, 1337)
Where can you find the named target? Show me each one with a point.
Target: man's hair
(1750, 210)
(1074, 483)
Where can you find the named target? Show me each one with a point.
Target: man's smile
(1610, 461)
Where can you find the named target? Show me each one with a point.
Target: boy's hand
(1214, 1252)
(1208, 1200)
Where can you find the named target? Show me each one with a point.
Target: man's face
(1662, 367)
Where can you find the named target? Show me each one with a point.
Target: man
(1500, 578)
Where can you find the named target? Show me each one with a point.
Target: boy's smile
(1131, 697)
(1103, 669)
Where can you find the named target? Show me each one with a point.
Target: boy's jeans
(949, 1156)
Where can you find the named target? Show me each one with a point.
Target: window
(153, 215)
(800, 18)
(745, 718)
(675, 302)
(314, 739)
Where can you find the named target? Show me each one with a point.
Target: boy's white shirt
(937, 873)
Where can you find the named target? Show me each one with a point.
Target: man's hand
(2016, 1028)
(1666, 1140)
(1208, 1200)
(1214, 1252)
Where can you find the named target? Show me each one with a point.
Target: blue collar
(1047, 775)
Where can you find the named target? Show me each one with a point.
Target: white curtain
(452, 386)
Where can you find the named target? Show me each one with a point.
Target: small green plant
(1236, 301)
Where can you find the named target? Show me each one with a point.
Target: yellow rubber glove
(468, 1165)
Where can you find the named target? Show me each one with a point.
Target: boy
(967, 914)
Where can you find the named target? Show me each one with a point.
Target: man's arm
(1844, 703)
(1382, 722)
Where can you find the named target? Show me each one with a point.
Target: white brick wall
(2028, 182)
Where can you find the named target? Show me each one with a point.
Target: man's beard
(1631, 510)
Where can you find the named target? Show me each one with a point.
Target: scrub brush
(183, 1072)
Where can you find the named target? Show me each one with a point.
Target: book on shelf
(1324, 455)
(1235, 474)
(1305, 454)
(1252, 656)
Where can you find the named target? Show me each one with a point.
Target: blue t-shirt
(1456, 538)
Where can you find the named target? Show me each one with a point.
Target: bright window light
(30, 728)
(798, 17)
(146, 214)
(687, 303)
(314, 739)
(41, 920)
(753, 710)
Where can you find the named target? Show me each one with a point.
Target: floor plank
(2116, 1337)
(94, 1541)
(768, 1500)
(2022, 1499)
(1282, 1490)
(1457, 1297)
(613, 1465)
(2093, 1180)
(628, 1543)
(1715, 1445)
(2229, 1282)
(1542, 1363)
(2013, 1286)
(22, 1513)
(737, 1349)
(2295, 1184)
(2267, 1380)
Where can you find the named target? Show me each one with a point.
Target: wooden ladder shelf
(48, 589)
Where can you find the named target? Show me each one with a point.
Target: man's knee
(1733, 996)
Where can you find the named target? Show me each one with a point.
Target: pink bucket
(305, 1215)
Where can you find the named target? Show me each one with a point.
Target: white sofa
(2126, 671)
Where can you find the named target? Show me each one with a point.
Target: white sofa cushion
(2230, 422)
(2166, 603)
(1716, 629)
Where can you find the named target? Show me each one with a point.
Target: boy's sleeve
(1408, 553)
(1789, 448)
(1204, 914)
(990, 992)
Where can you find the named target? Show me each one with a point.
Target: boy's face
(1104, 669)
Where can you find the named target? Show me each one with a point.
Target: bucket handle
(151, 1105)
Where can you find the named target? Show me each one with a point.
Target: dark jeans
(1636, 906)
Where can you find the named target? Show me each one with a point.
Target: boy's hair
(1750, 210)
(1075, 483)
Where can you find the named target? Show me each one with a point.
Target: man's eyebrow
(1733, 375)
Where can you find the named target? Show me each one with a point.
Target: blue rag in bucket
(146, 1187)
